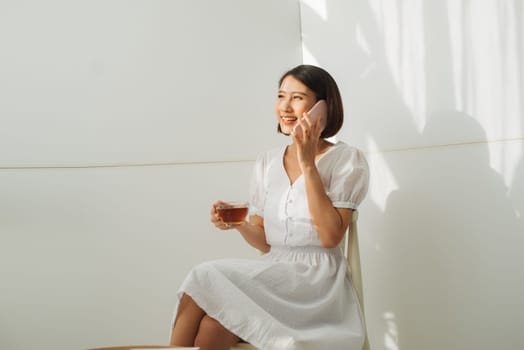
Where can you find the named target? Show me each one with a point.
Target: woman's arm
(254, 234)
(330, 223)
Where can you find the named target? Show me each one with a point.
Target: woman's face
(294, 98)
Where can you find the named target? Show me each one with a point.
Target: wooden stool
(130, 347)
(239, 346)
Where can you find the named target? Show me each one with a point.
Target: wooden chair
(349, 246)
(351, 250)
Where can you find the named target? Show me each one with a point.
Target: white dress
(299, 295)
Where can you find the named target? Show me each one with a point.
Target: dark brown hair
(325, 88)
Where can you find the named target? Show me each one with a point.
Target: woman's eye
(280, 96)
(297, 97)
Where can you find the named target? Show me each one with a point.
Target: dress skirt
(292, 298)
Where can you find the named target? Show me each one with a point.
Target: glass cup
(232, 213)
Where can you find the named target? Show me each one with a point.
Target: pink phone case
(319, 110)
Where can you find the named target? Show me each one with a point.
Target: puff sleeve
(349, 179)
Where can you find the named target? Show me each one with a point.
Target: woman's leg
(187, 322)
(213, 336)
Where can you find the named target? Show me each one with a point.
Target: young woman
(298, 294)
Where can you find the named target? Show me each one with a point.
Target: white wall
(116, 126)
(433, 93)
(121, 122)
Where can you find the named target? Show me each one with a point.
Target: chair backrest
(350, 248)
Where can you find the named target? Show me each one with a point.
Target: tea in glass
(232, 213)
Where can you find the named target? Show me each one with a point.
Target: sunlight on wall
(382, 179)
(484, 50)
(307, 56)
(391, 335)
(402, 28)
(319, 6)
(320, 9)
(361, 40)
(485, 60)
(456, 28)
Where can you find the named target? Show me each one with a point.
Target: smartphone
(317, 112)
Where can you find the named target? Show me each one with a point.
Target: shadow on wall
(450, 239)
(426, 88)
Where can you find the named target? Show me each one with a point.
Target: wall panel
(121, 122)
(433, 94)
(94, 256)
(104, 82)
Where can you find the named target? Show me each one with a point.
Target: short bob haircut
(325, 88)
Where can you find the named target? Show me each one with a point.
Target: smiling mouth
(289, 120)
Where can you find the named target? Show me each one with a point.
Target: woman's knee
(189, 306)
(209, 329)
(211, 333)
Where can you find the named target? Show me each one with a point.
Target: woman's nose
(285, 106)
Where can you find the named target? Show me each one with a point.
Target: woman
(298, 295)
